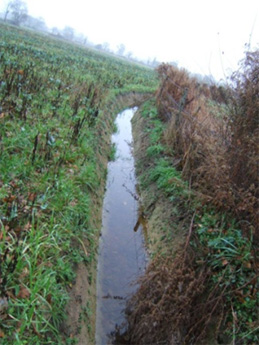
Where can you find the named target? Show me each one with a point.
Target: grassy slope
(53, 115)
(201, 280)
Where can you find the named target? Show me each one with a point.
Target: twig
(189, 236)
(34, 148)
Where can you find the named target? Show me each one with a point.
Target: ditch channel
(122, 256)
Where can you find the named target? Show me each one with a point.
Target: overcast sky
(204, 36)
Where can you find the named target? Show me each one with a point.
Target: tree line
(16, 13)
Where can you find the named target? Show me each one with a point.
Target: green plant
(53, 117)
(211, 282)
(112, 154)
(168, 179)
(229, 255)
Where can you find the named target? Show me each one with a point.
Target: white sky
(204, 36)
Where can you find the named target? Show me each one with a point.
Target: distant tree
(121, 49)
(55, 31)
(98, 46)
(68, 33)
(85, 40)
(81, 38)
(106, 46)
(129, 55)
(7, 10)
(155, 63)
(18, 10)
(36, 23)
(173, 63)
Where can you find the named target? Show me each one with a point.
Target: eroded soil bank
(81, 310)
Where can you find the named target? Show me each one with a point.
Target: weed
(229, 255)
(155, 150)
(211, 280)
(168, 178)
(211, 138)
(112, 155)
(53, 97)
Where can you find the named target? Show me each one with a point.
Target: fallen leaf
(2, 334)
(25, 273)
(73, 203)
(24, 293)
(10, 198)
(247, 264)
(10, 294)
(18, 229)
(32, 196)
(225, 262)
(49, 299)
(27, 226)
(13, 184)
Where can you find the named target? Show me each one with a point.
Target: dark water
(122, 256)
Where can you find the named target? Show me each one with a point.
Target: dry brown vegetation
(212, 137)
(215, 143)
(170, 295)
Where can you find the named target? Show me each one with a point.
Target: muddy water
(122, 255)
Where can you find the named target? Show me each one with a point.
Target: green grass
(217, 239)
(53, 116)
(229, 256)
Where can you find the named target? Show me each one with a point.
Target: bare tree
(106, 46)
(7, 10)
(121, 49)
(81, 38)
(55, 31)
(36, 23)
(18, 10)
(129, 55)
(68, 33)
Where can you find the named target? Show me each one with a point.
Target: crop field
(52, 105)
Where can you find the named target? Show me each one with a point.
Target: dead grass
(172, 305)
(215, 144)
(213, 136)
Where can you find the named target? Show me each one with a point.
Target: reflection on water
(122, 255)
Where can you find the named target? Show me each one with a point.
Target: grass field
(53, 108)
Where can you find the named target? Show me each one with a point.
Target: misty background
(206, 37)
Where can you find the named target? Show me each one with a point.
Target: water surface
(122, 255)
